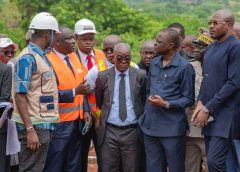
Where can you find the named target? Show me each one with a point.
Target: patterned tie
(69, 64)
(122, 99)
(89, 61)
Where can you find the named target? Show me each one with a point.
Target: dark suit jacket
(104, 94)
(5, 82)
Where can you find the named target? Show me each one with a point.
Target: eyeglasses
(215, 22)
(126, 59)
(106, 50)
(9, 52)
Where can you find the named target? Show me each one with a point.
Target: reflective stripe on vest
(63, 110)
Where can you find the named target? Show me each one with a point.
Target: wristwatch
(205, 109)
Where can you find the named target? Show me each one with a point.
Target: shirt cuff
(73, 92)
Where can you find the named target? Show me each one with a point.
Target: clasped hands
(199, 117)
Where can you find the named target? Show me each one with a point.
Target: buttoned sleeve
(232, 83)
(187, 89)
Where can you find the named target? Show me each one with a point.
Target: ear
(171, 45)
(75, 37)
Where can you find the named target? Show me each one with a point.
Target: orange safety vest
(66, 80)
(99, 59)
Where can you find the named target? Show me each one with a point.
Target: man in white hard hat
(36, 95)
(85, 32)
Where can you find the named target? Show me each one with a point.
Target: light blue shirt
(114, 112)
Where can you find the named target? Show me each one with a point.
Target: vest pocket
(46, 105)
(47, 82)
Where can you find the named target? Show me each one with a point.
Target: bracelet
(29, 128)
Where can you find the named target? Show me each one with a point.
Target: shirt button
(206, 75)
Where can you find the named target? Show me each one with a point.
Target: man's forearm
(22, 106)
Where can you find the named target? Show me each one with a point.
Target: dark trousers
(120, 150)
(165, 151)
(217, 149)
(86, 141)
(33, 161)
(142, 159)
(4, 160)
(65, 148)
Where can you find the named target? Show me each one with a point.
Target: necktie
(122, 98)
(89, 62)
(69, 64)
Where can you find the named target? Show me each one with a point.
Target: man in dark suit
(120, 96)
(169, 91)
(219, 95)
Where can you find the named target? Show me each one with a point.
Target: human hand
(202, 119)
(87, 118)
(32, 140)
(157, 101)
(83, 88)
(197, 109)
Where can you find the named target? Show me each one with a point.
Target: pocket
(46, 104)
(47, 82)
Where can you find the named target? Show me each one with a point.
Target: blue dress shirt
(175, 84)
(114, 112)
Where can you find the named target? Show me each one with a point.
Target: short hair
(179, 26)
(36, 33)
(173, 36)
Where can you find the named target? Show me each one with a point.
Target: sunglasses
(106, 50)
(9, 52)
(121, 59)
(215, 22)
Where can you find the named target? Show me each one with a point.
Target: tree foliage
(134, 20)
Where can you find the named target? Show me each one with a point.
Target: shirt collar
(174, 61)
(37, 49)
(62, 56)
(126, 72)
(84, 56)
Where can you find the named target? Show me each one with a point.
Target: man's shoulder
(105, 73)
(99, 53)
(138, 71)
(4, 67)
(182, 61)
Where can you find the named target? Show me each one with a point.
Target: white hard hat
(44, 21)
(84, 26)
(5, 42)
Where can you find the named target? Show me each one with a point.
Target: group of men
(65, 96)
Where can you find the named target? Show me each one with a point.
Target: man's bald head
(148, 44)
(122, 47)
(64, 41)
(112, 39)
(225, 15)
(187, 45)
(147, 52)
(236, 29)
(122, 56)
(188, 40)
(108, 44)
(221, 25)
